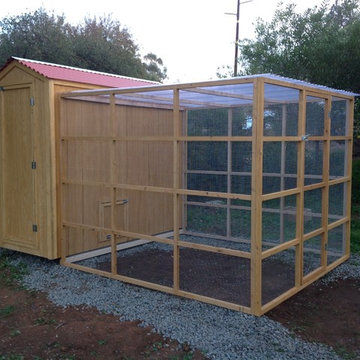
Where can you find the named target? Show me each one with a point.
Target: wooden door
(18, 169)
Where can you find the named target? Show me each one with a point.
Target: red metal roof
(68, 73)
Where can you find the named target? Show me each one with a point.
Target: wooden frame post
(63, 232)
(282, 171)
(326, 171)
(299, 255)
(229, 171)
(256, 197)
(113, 189)
(348, 168)
(176, 185)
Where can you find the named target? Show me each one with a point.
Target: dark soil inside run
(205, 273)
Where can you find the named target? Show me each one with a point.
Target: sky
(193, 37)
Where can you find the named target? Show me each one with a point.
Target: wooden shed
(29, 110)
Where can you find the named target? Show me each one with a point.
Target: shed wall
(30, 116)
(26, 216)
(134, 162)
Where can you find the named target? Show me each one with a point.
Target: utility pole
(237, 33)
(237, 38)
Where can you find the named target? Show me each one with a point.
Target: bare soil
(327, 314)
(31, 327)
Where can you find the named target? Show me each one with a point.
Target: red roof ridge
(25, 61)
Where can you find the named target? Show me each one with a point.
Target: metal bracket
(305, 137)
(32, 101)
(35, 228)
(2, 88)
(33, 164)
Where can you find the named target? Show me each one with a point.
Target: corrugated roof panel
(68, 73)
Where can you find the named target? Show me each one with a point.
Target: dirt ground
(31, 327)
(327, 314)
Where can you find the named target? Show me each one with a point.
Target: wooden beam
(215, 249)
(221, 93)
(349, 129)
(157, 189)
(326, 173)
(256, 197)
(176, 185)
(157, 138)
(228, 173)
(112, 167)
(299, 250)
(283, 246)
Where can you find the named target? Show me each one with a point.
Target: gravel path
(221, 333)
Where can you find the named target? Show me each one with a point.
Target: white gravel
(220, 333)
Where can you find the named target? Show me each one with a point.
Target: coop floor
(214, 275)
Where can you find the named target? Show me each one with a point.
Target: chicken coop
(234, 192)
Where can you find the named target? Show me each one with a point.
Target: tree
(36, 35)
(321, 45)
(154, 66)
(100, 44)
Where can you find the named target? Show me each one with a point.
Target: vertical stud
(256, 197)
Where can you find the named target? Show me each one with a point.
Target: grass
(6, 311)
(10, 274)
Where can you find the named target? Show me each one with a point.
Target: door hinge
(35, 228)
(33, 164)
(32, 101)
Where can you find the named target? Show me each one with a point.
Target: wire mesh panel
(279, 166)
(337, 158)
(278, 274)
(315, 115)
(242, 121)
(241, 157)
(280, 116)
(337, 201)
(218, 166)
(278, 221)
(241, 220)
(207, 155)
(313, 162)
(207, 122)
(312, 254)
(338, 115)
(336, 245)
(218, 276)
(151, 262)
(312, 210)
(211, 220)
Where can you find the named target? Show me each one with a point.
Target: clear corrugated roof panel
(222, 93)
